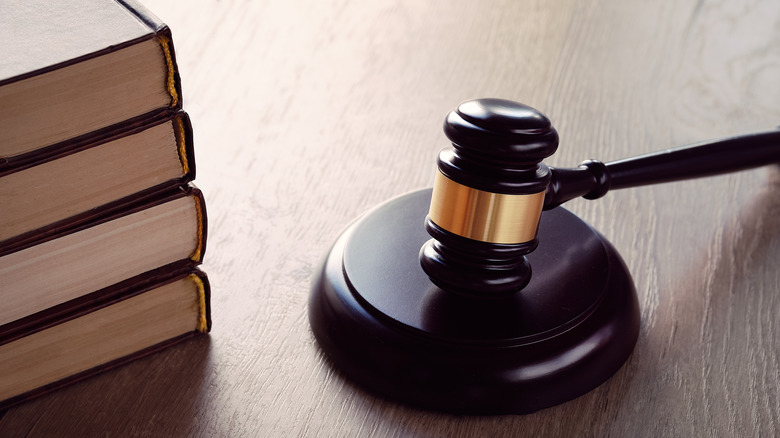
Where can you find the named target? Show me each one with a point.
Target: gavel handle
(592, 179)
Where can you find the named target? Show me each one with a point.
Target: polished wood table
(307, 113)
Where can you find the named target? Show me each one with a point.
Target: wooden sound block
(381, 320)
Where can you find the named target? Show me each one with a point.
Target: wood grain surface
(308, 112)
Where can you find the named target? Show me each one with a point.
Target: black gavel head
(487, 197)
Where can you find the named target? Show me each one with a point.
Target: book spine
(200, 207)
(184, 138)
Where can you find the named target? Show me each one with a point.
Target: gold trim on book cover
(181, 140)
(171, 85)
(485, 216)
(197, 254)
(203, 323)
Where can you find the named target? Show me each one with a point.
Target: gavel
(482, 295)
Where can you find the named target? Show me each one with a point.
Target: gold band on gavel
(484, 216)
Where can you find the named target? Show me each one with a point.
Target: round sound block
(383, 323)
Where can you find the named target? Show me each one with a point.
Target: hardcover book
(120, 323)
(132, 160)
(168, 228)
(71, 68)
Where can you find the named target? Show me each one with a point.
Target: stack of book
(101, 229)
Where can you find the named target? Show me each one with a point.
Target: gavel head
(487, 197)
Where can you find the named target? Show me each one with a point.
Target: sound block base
(381, 321)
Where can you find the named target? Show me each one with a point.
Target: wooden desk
(307, 113)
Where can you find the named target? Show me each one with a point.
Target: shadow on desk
(400, 420)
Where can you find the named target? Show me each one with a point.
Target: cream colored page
(59, 189)
(63, 269)
(80, 98)
(98, 337)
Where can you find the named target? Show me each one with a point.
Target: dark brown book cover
(130, 288)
